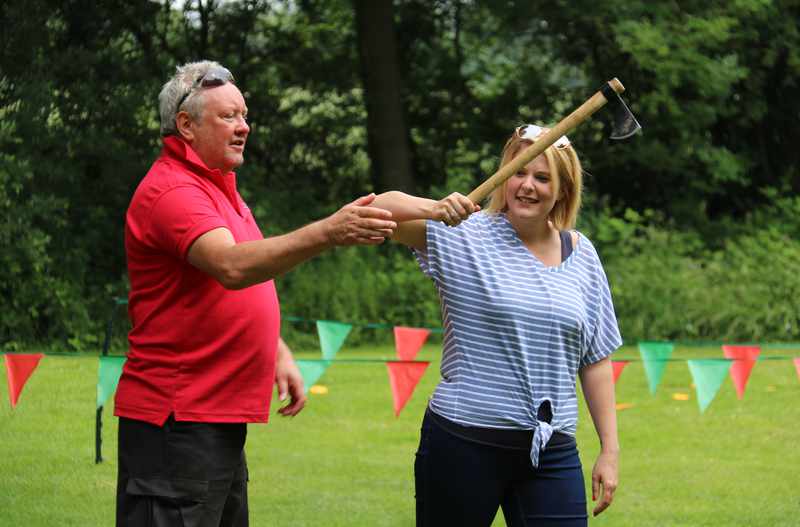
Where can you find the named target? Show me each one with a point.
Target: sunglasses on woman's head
(532, 132)
(213, 77)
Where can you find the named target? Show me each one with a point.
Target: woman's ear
(183, 122)
(562, 192)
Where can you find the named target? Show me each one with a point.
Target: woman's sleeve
(605, 338)
(429, 260)
(441, 242)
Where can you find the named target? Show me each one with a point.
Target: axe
(625, 125)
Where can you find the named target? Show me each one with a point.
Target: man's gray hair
(176, 89)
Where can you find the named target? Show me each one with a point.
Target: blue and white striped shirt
(515, 331)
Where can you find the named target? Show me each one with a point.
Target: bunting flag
(618, 366)
(331, 336)
(797, 366)
(708, 375)
(403, 378)
(655, 356)
(744, 358)
(408, 341)
(19, 368)
(108, 377)
(311, 370)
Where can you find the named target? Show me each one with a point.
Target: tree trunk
(387, 132)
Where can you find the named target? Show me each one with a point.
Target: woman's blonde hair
(566, 174)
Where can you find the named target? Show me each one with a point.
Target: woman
(526, 308)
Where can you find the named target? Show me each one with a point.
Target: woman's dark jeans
(462, 483)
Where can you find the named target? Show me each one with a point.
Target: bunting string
(405, 372)
(382, 361)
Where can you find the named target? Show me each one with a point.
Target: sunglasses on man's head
(213, 77)
(532, 132)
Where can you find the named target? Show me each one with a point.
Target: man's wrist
(322, 234)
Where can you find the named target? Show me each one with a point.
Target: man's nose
(242, 127)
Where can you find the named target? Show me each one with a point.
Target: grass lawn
(347, 461)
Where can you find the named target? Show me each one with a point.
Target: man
(204, 345)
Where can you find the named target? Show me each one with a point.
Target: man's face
(219, 135)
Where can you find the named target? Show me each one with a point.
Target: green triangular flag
(708, 375)
(654, 356)
(331, 336)
(108, 377)
(311, 370)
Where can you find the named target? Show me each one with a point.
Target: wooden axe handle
(566, 125)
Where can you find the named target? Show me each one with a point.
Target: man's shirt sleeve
(179, 217)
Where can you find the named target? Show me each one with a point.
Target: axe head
(625, 124)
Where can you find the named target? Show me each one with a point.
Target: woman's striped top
(515, 331)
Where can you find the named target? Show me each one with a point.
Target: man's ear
(183, 122)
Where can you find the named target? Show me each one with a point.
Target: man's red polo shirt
(197, 350)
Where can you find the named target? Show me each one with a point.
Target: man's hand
(604, 480)
(289, 381)
(453, 209)
(359, 224)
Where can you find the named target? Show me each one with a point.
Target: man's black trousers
(182, 474)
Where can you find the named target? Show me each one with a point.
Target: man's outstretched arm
(240, 265)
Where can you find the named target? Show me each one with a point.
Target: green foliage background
(696, 219)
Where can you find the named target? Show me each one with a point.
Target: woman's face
(530, 193)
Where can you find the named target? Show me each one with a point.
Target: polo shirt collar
(178, 148)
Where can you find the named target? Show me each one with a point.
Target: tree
(336, 112)
(387, 131)
(714, 85)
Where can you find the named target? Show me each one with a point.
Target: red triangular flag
(618, 366)
(797, 366)
(408, 341)
(403, 378)
(19, 368)
(744, 358)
